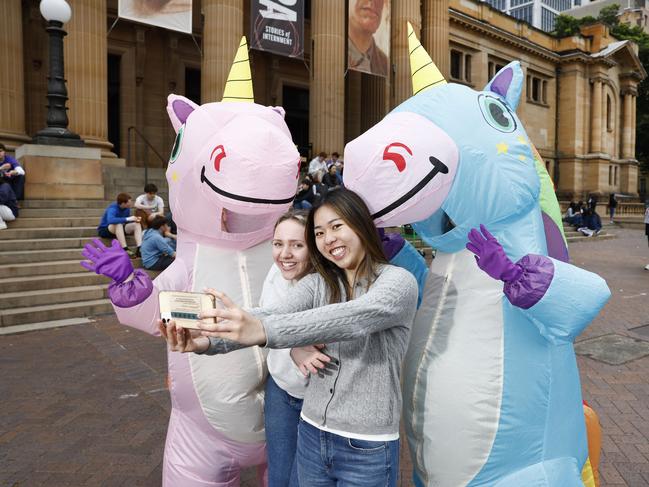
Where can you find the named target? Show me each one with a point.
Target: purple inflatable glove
(491, 257)
(392, 243)
(111, 261)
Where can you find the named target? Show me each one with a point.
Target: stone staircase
(40, 276)
(41, 281)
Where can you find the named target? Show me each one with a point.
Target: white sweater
(280, 364)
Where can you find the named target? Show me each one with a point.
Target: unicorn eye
(497, 114)
(178, 143)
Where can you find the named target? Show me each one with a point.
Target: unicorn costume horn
(424, 72)
(238, 87)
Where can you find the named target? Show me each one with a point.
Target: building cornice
(502, 35)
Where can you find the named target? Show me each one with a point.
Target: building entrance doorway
(296, 104)
(114, 101)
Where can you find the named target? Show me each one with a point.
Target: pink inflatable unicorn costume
(231, 173)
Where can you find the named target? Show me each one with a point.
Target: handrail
(146, 157)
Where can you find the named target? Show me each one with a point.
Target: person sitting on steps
(117, 222)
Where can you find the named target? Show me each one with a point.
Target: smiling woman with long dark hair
(362, 308)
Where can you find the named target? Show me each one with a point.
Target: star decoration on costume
(502, 148)
(522, 158)
(522, 140)
(174, 176)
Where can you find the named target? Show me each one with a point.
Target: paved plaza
(87, 404)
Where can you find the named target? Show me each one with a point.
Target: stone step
(161, 183)
(40, 268)
(584, 238)
(54, 222)
(62, 212)
(43, 233)
(135, 172)
(65, 203)
(48, 312)
(52, 296)
(51, 281)
(33, 256)
(42, 243)
(45, 268)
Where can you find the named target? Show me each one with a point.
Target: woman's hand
(310, 359)
(232, 323)
(182, 340)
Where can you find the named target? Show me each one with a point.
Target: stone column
(12, 91)
(435, 32)
(596, 117)
(403, 11)
(222, 31)
(328, 63)
(634, 112)
(627, 129)
(85, 57)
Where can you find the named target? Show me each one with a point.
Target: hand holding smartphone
(185, 307)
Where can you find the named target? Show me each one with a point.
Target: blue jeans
(282, 415)
(328, 460)
(302, 205)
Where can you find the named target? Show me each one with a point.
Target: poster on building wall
(277, 26)
(168, 14)
(368, 36)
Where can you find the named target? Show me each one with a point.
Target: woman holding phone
(363, 308)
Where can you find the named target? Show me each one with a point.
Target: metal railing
(148, 146)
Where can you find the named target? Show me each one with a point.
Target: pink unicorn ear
(179, 108)
(279, 110)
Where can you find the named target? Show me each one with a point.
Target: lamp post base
(58, 136)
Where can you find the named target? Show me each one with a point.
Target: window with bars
(498, 4)
(461, 66)
(548, 18)
(523, 13)
(494, 65)
(537, 89)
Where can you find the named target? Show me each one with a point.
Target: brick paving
(87, 405)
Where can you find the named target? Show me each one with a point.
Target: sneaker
(3, 225)
(131, 254)
(597, 232)
(646, 268)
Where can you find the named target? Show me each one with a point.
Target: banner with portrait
(168, 14)
(368, 36)
(277, 26)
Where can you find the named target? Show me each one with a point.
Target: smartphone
(184, 307)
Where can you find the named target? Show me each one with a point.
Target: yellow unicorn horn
(238, 87)
(424, 73)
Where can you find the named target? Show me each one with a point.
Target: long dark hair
(354, 212)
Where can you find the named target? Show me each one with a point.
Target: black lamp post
(57, 13)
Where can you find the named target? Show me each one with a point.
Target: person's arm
(390, 301)
(113, 217)
(139, 204)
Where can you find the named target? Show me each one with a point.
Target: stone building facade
(578, 104)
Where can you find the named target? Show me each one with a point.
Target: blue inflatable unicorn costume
(491, 387)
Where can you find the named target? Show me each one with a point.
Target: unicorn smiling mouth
(438, 167)
(247, 199)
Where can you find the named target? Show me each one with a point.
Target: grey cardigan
(367, 336)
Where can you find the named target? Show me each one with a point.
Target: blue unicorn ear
(508, 84)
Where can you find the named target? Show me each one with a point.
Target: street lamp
(57, 13)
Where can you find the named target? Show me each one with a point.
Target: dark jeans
(162, 263)
(302, 205)
(17, 183)
(328, 460)
(594, 222)
(281, 417)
